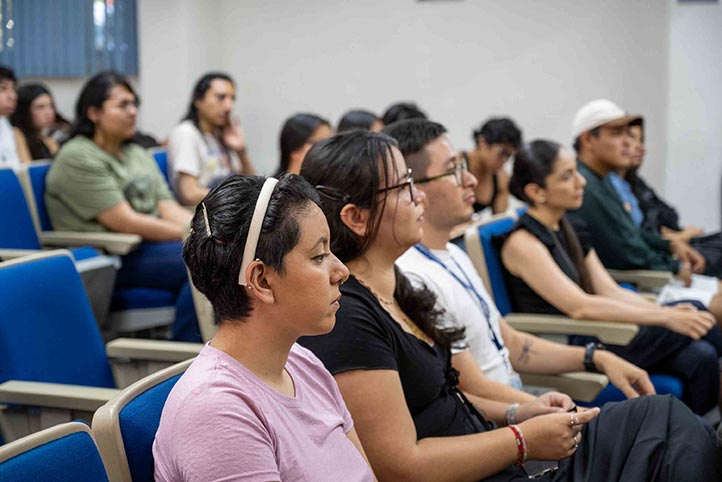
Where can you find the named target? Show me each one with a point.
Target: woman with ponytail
(390, 354)
(550, 269)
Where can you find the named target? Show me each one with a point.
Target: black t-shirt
(366, 337)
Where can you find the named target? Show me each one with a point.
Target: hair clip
(333, 193)
(205, 218)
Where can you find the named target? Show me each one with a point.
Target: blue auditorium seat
(63, 453)
(125, 426)
(131, 309)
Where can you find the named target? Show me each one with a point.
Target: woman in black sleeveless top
(550, 269)
(391, 358)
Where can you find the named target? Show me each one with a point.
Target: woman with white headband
(255, 405)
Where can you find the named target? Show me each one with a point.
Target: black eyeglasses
(409, 182)
(336, 195)
(458, 171)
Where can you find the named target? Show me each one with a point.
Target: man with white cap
(600, 137)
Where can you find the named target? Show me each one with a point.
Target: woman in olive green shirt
(100, 181)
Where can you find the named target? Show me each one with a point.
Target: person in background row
(600, 138)
(298, 134)
(402, 110)
(8, 102)
(33, 119)
(655, 214)
(209, 144)
(100, 181)
(495, 142)
(360, 119)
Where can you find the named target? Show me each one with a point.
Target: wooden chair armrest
(156, 350)
(581, 386)
(55, 395)
(113, 243)
(642, 278)
(607, 331)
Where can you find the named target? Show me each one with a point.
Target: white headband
(254, 232)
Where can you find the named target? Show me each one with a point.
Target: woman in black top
(495, 142)
(550, 269)
(391, 358)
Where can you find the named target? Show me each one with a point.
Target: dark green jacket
(619, 243)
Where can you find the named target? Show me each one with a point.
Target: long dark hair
(22, 118)
(199, 91)
(296, 131)
(350, 167)
(96, 91)
(533, 163)
(214, 260)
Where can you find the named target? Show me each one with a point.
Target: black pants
(710, 247)
(648, 439)
(662, 351)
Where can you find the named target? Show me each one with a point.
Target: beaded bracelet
(511, 414)
(520, 444)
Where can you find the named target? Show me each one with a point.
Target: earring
(543, 200)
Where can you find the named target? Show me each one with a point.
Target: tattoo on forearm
(526, 351)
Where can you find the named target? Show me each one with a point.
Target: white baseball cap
(597, 113)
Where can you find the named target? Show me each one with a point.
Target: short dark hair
(6, 73)
(499, 130)
(401, 111)
(638, 122)
(96, 91)
(357, 119)
(296, 131)
(578, 140)
(199, 91)
(413, 135)
(214, 261)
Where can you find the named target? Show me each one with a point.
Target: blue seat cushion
(139, 421)
(141, 298)
(67, 459)
(86, 252)
(663, 384)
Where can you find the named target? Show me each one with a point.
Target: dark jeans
(710, 247)
(662, 351)
(160, 266)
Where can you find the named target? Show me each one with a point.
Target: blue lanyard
(468, 286)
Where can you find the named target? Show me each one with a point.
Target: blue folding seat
(125, 426)
(131, 309)
(63, 453)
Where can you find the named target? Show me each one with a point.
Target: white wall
(694, 147)
(461, 61)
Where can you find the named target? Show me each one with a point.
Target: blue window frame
(68, 38)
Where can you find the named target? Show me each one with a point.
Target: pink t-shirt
(222, 423)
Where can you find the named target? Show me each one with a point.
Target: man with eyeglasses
(497, 348)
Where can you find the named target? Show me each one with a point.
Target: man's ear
(355, 218)
(481, 142)
(259, 286)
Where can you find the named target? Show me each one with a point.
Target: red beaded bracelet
(520, 443)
